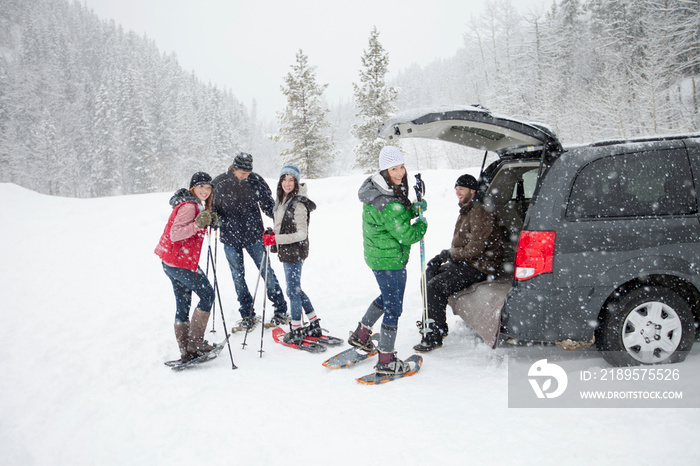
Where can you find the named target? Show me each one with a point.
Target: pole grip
(419, 187)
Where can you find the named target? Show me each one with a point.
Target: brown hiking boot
(198, 346)
(182, 331)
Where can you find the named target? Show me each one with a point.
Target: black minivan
(604, 238)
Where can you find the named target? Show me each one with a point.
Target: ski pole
(255, 295)
(267, 272)
(420, 190)
(216, 244)
(213, 315)
(221, 309)
(208, 246)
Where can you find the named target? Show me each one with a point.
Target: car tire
(648, 325)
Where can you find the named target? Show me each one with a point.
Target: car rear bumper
(560, 314)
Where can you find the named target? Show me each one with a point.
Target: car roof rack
(674, 137)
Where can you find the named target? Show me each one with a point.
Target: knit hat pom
(390, 156)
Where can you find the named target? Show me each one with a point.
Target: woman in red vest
(179, 248)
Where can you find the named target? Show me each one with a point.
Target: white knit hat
(390, 156)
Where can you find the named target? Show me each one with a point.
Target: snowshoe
(280, 318)
(389, 364)
(246, 324)
(416, 361)
(295, 336)
(314, 329)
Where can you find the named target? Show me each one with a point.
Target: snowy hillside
(87, 323)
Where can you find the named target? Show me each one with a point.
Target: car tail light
(535, 253)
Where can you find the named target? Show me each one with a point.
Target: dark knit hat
(200, 178)
(467, 181)
(243, 162)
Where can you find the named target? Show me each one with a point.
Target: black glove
(434, 262)
(214, 221)
(444, 256)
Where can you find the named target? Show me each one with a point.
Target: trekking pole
(216, 250)
(213, 315)
(208, 246)
(267, 272)
(420, 190)
(221, 308)
(255, 295)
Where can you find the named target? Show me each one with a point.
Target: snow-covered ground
(87, 324)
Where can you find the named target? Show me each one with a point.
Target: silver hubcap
(652, 332)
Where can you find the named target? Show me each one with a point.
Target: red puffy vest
(184, 254)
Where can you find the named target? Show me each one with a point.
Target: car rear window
(655, 183)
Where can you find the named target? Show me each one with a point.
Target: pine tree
(303, 123)
(105, 178)
(374, 101)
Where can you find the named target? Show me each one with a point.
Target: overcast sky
(248, 46)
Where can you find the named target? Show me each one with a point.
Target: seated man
(476, 252)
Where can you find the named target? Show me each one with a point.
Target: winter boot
(198, 346)
(314, 329)
(280, 318)
(431, 340)
(295, 335)
(361, 338)
(182, 331)
(248, 323)
(389, 364)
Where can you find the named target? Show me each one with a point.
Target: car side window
(647, 184)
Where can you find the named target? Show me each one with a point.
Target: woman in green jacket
(387, 236)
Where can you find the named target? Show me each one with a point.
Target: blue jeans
(392, 284)
(298, 300)
(184, 283)
(234, 255)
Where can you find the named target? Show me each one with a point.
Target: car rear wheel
(648, 325)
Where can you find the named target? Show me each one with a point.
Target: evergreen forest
(88, 109)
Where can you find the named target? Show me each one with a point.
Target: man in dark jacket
(475, 254)
(239, 194)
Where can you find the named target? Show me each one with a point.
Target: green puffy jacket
(386, 226)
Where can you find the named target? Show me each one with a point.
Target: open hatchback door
(508, 185)
(470, 126)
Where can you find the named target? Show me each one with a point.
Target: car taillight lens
(535, 253)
